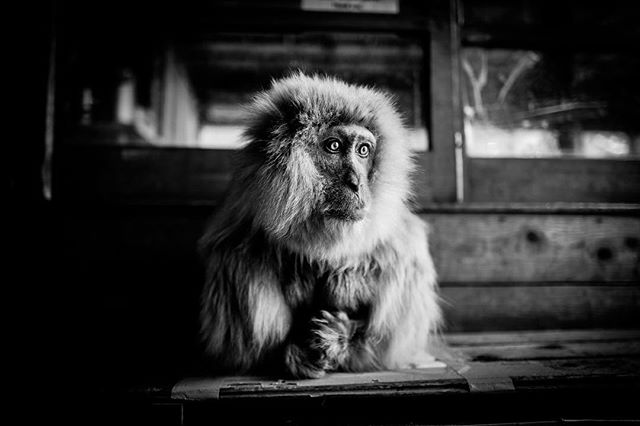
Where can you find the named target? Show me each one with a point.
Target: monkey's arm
(244, 315)
(247, 322)
(404, 314)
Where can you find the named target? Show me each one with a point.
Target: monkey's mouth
(344, 204)
(346, 215)
(348, 211)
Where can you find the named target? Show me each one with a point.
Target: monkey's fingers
(320, 322)
(300, 366)
(327, 315)
(339, 324)
(338, 316)
(332, 343)
(342, 316)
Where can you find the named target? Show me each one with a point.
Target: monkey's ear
(273, 115)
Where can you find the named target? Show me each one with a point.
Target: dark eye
(332, 145)
(364, 150)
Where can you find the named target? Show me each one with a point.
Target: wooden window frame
(144, 175)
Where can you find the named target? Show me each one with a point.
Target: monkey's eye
(364, 150)
(332, 145)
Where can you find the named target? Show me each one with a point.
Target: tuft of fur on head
(279, 181)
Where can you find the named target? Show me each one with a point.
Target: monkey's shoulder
(412, 234)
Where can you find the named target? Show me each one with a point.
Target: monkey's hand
(326, 347)
(332, 334)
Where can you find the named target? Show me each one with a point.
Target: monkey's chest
(350, 291)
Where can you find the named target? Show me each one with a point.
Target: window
(549, 95)
(148, 116)
(547, 104)
(193, 94)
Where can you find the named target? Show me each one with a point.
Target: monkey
(315, 262)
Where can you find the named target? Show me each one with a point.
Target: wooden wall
(131, 275)
(505, 271)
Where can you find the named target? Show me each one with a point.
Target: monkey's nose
(352, 180)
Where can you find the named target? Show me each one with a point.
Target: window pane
(192, 94)
(521, 103)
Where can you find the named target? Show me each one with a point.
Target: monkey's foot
(331, 336)
(424, 360)
(301, 364)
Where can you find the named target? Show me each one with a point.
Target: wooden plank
(508, 392)
(549, 369)
(487, 308)
(461, 378)
(117, 174)
(535, 248)
(555, 350)
(556, 208)
(469, 249)
(438, 379)
(540, 337)
(552, 179)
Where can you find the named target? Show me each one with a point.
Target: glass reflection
(193, 94)
(520, 103)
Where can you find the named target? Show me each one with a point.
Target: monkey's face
(344, 158)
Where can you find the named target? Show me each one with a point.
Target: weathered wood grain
(550, 180)
(510, 365)
(541, 337)
(489, 308)
(428, 380)
(439, 163)
(485, 286)
(553, 350)
(139, 174)
(535, 248)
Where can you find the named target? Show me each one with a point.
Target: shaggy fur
(292, 289)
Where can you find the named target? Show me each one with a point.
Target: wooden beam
(491, 248)
(488, 308)
(439, 163)
(141, 174)
(552, 179)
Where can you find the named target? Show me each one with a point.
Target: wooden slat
(430, 380)
(548, 370)
(553, 350)
(550, 180)
(487, 308)
(116, 174)
(540, 337)
(556, 208)
(535, 248)
(455, 379)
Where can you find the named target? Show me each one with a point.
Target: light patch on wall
(354, 6)
(225, 136)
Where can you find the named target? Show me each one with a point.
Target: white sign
(354, 6)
